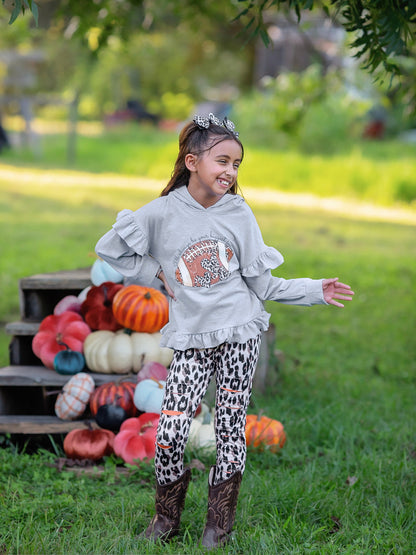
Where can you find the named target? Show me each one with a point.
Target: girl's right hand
(163, 279)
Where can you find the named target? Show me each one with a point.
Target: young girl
(202, 240)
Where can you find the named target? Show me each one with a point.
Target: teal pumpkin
(69, 362)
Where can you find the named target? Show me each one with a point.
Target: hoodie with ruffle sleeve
(215, 261)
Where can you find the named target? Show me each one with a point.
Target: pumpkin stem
(54, 392)
(158, 382)
(60, 342)
(107, 301)
(147, 295)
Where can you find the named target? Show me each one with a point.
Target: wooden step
(35, 424)
(20, 346)
(41, 292)
(39, 376)
(22, 328)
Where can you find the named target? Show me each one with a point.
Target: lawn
(345, 480)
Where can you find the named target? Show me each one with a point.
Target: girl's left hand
(163, 279)
(334, 289)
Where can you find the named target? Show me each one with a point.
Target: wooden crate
(28, 390)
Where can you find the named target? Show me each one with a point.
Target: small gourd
(264, 433)
(69, 362)
(101, 271)
(97, 309)
(119, 393)
(88, 444)
(123, 351)
(202, 431)
(136, 440)
(148, 395)
(141, 309)
(72, 401)
(55, 331)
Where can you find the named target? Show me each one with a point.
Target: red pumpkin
(88, 444)
(264, 432)
(58, 333)
(141, 309)
(116, 393)
(136, 438)
(97, 308)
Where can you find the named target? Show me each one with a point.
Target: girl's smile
(214, 172)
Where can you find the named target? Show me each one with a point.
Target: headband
(204, 122)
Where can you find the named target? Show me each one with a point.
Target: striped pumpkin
(141, 309)
(118, 393)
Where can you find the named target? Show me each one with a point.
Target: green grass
(345, 481)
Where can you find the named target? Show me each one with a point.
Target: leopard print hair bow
(204, 122)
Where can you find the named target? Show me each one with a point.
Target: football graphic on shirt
(204, 263)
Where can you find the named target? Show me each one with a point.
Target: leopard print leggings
(189, 376)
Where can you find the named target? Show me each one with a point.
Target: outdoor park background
(330, 173)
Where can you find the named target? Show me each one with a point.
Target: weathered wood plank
(39, 376)
(12, 424)
(66, 279)
(22, 328)
(38, 294)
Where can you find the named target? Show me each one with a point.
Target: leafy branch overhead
(16, 7)
(382, 30)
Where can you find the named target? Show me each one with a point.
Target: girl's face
(213, 172)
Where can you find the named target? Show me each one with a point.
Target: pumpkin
(74, 398)
(202, 431)
(120, 393)
(142, 309)
(101, 271)
(56, 332)
(97, 308)
(137, 438)
(124, 351)
(264, 432)
(70, 302)
(88, 444)
(69, 362)
(111, 416)
(148, 395)
(152, 370)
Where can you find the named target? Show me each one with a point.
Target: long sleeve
(257, 260)
(125, 247)
(299, 291)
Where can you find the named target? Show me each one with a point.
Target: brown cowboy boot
(222, 505)
(170, 500)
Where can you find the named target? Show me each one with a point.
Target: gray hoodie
(215, 261)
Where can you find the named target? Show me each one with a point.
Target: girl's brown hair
(196, 140)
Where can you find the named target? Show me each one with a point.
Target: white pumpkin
(123, 352)
(75, 396)
(202, 431)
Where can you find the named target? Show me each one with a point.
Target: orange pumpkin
(264, 432)
(142, 309)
